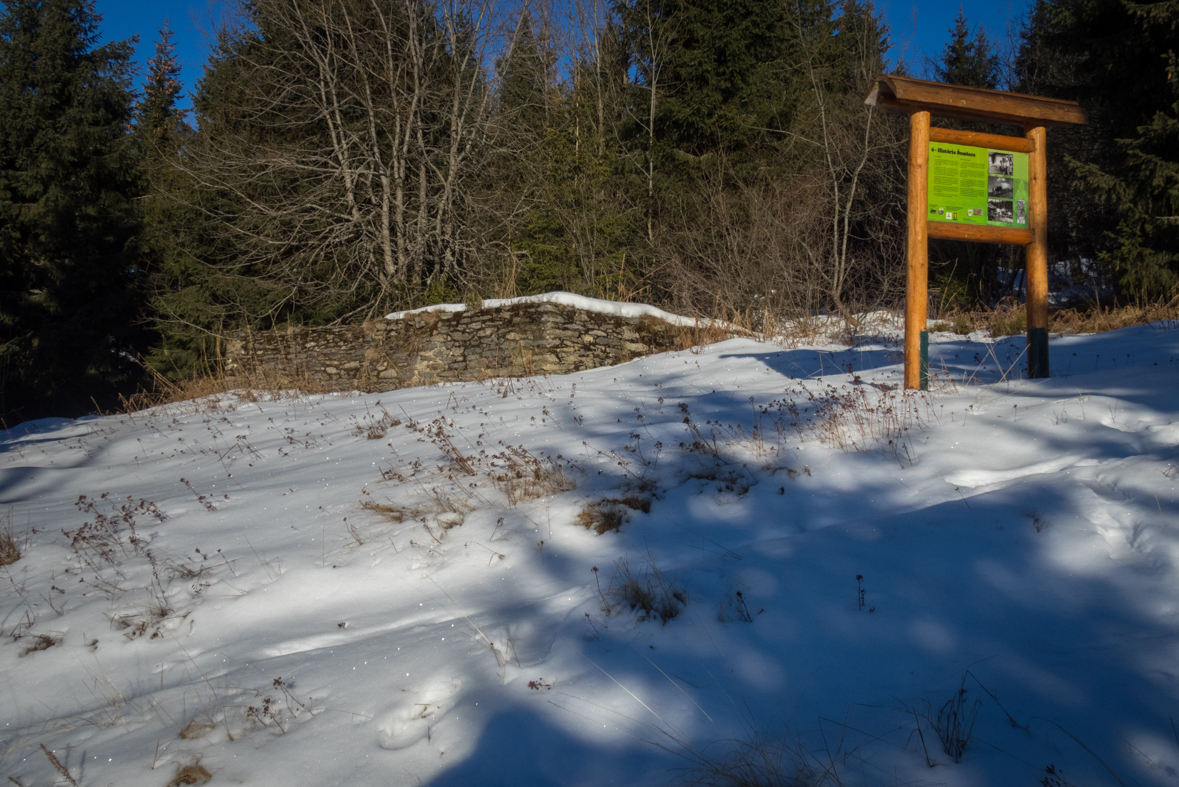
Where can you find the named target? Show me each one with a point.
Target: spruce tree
(523, 75)
(968, 59)
(68, 258)
(1133, 99)
(722, 66)
(159, 121)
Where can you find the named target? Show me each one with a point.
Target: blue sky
(918, 28)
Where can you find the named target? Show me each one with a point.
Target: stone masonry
(431, 347)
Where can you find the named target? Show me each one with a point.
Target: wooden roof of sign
(973, 103)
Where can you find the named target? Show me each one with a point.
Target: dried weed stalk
(99, 541)
(649, 590)
(57, 766)
(764, 761)
(436, 431)
(954, 723)
(375, 428)
(521, 476)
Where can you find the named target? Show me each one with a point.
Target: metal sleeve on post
(1037, 352)
(925, 360)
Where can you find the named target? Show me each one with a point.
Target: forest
(345, 158)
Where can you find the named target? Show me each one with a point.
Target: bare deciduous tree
(350, 130)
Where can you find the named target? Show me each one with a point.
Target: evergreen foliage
(158, 119)
(968, 59)
(69, 275)
(1116, 182)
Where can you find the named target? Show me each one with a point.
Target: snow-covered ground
(401, 588)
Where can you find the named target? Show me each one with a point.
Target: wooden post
(1037, 253)
(917, 269)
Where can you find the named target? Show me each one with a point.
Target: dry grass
(164, 391)
(858, 421)
(390, 512)
(602, 517)
(649, 590)
(195, 729)
(1010, 318)
(705, 332)
(211, 386)
(636, 503)
(605, 516)
(522, 476)
(954, 723)
(447, 512)
(8, 552)
(41, 642)
(1096, 320)
(767, 761)
(1007, 319)
(954, 322)
(191, 774)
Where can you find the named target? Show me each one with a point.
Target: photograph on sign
(1002, 163)
(978, 186)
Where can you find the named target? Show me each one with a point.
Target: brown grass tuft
(195, 729)
(392, 513)
(636, 503)
(191, 774)
(602, 517)
(650, 591)
(41, 642)
(8, 552)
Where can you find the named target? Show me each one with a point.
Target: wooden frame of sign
(1029, 228)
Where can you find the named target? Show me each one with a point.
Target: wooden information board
(965, 185)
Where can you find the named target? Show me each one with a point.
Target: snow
(360, 589)
(616, 308)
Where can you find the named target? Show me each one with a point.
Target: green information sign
(969, 185)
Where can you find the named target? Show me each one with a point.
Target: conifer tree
(68, 257)
(523, 75)
(158, 119)
(722, 66)
(172, 227)
(968, 59)
(1134, 98)
(1115, 181)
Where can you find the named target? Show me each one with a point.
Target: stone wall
(430, 347)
